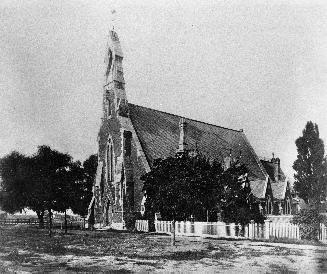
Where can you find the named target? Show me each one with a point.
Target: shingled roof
(158, 133)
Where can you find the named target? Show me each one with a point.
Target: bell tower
(114, 97)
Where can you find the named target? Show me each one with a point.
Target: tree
(47, 181)
(185, 186)
(66, 191)
(83, 186)
(48, 176)
(179, 187)
(15, 173)
(235, 198)
(310, 166)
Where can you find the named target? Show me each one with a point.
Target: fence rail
(35, 222)
(19, 221)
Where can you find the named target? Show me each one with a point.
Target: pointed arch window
(268, 205)
(108, 108)
(127, 143)
(110, 161)
(288, 206)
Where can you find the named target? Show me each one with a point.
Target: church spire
(114, 85)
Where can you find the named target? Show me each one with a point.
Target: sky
(260, 66)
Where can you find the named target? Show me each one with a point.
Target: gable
(279, 189)
(158, 133)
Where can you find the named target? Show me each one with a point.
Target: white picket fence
(163, 226)
(268, 230)
(222, 230)
(142, 225)
(283, 230)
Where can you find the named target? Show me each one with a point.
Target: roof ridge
(239, 131)
(263, 170)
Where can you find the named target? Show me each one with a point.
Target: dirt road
(26, 250)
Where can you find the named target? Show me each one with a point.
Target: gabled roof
(158, 133)
(279, 189)
(258, 188)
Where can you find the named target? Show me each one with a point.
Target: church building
(131, 137)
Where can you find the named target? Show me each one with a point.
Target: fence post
(232, 229)
(251, 229)
(267, 229)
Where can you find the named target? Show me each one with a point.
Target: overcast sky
(256, 65)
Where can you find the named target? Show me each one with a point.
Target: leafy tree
(48, 176)
(82, 187)
(14, 171)
(47, 181)
(235, 198)
(310, 166)
(184, 186)
(179, 187)
(66, 190)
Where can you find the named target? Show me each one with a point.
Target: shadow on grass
(95, 269)
(14, 256)
(176, 256)
(276, 268)
(190, 255)
(275, 251)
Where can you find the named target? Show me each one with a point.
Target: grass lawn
(26, 249)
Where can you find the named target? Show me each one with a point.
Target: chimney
(276, 162)
(182, 145)
(228, 160)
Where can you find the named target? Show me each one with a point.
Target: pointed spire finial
(113, 11)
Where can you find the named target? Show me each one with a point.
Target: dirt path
(26, 250)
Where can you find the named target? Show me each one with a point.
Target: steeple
(182, 145)
(114, 61)
(114, 99)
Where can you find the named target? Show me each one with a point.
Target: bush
(130, 219)
(308, 221)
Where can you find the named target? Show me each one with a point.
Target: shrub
(308, 220)
(130, 221)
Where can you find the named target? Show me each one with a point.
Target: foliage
(236, 200)
(184, 186)
(14, 171)
(83, 183)
(176, 186)
(308, 221)
(49, 180)
(310, 166)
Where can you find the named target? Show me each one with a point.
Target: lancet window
(268, 205)
(110, 161)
